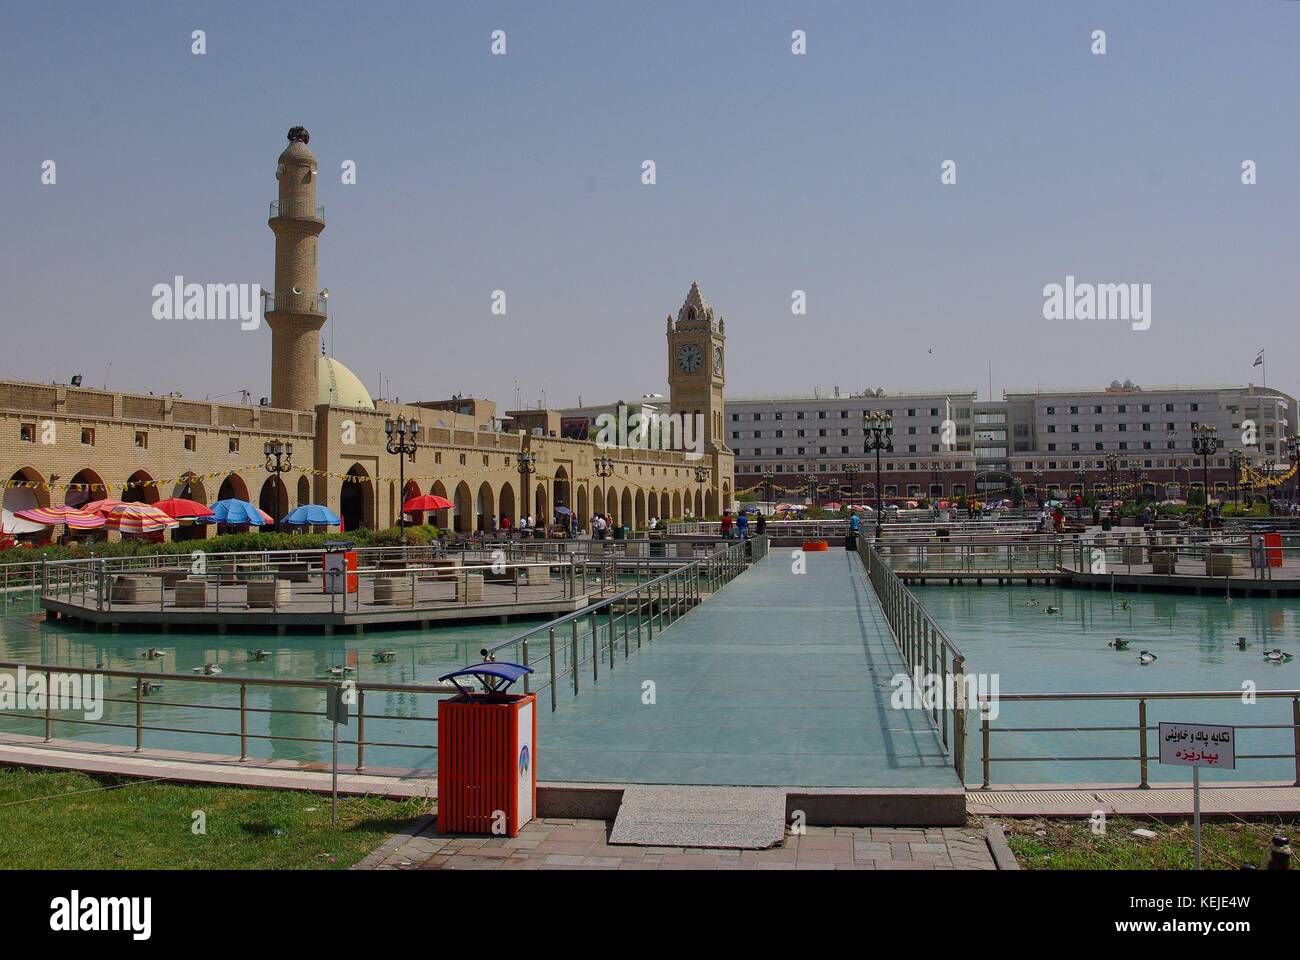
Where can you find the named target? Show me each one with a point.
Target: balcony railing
(298, 209)
(280, 302)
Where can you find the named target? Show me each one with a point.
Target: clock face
(717, 360)
(689, 357)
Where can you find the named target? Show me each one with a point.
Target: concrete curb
(1003, 858)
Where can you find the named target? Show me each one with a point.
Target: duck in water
(1242, 643)
(1277, 656)
(1146, 657)
(1119, 643)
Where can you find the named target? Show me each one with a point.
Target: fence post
(574, 656)
(524, 644)
(139, 716)
(1142, 741)
(1295, 736)
(551, 640)
(361, 729)
(47, 706)
(243, 721)
(984, 713)
(959, 718)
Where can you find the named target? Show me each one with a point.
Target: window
(88, 436)
(27, 433)
(191, 442)
(141, 440)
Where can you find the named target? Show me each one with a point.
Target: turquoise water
(1193, 638)
(421, 657)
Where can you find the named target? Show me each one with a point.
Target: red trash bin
(487, 753)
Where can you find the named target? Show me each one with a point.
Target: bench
(394, 591)
(134, 589)
(191, 593)
(469, 588)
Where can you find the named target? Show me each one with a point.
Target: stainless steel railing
(1142, 729)
(147, 704)
(926, 649)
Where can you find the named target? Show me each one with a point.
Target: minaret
(295, 311)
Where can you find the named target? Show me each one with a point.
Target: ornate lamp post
(851, 471)
(1039, 492)
(1205, 445)
(878, 430)
(1236, 461)
(1269, 466)
(701, 476)
(1112, 474)
(1081, 479)
(768, 477)
(526, 464)
(935, 478)
(399, 444)
(279, 461)
(604, 470)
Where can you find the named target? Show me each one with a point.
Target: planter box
(1164, 561)
(191, 593)
(394, 591)
(1223, 565)
(268, 593)
(469, 588)
(134, 589)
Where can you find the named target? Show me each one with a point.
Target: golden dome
(338, 386)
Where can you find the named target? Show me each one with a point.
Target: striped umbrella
(138, 518)
(75, 519)
(99, 506)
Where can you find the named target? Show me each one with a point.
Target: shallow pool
(1007, 631)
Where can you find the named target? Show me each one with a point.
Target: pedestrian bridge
(778, 679)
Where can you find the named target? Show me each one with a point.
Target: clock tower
(697, 365)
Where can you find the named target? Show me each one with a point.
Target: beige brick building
(71, 444)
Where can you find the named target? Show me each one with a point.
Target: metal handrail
(654, 605)
(297, 207)
(1142, 728)
(243, 683)
(926, 648)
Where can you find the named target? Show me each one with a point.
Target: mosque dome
(340, 387)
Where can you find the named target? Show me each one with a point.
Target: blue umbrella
(238, 512)
(312, 514)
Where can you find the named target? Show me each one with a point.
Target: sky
(775, 172)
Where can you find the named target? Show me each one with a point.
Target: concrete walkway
(780, 679)
(556, 844)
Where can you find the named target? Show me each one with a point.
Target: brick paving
(559, 844)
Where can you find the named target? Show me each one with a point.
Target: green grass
(57, 820)
(1071, 844)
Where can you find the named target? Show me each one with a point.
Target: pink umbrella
(75, 519)
(138, 518)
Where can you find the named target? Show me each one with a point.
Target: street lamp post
(279, 461)
(1236, 460)
(1293, 454)
(1112, 474)
(768, 477)
(398, 443)
(1038, 488)
(851, 470)
(604, 470)
(878, 431)
(1081, 479)
(1205, 445)
(701, 475)
(527, 466)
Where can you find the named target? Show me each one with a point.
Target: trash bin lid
(338, 546)
(495, 675)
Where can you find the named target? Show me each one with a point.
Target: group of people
(737, 527)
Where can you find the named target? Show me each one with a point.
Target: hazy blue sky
(775, 173)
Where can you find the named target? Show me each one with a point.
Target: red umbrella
(427, 501)
(181, 509)
(99, 506)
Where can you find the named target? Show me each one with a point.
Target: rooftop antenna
(106, 373)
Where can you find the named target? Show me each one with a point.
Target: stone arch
(357, 499)
(486, 506)
(597, 501)
(710, 504)
(26, 497)
(561, 495)
(191, 487)
(274, 499)
(232, 488)
(581, 513)
(464, 501)
(441, 518)
(85, 486)
(508, 508)
(625, 514)
(140, 488)
(726, 495)
(304, 491)
(410, 492)
(611, 503)
(540, 512)
(699, 504)
(677, 504)
(640, 509)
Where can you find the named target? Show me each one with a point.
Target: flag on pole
(1259, 359)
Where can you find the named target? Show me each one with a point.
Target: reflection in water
(1006, 630)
